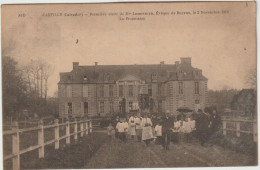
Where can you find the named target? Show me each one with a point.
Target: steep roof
(113, 73)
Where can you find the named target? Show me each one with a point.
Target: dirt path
(133, 154)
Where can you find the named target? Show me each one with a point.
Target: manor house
(98, 90)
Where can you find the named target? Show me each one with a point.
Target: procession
(201, 126)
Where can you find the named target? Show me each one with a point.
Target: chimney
(75, 65)
(186, 60)
(177, 63)
(96, 63)
(162, 62)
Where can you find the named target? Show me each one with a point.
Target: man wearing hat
(167, 126)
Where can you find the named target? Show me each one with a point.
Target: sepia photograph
(129, 85)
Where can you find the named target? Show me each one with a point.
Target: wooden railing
(236, 122)
(84, 125)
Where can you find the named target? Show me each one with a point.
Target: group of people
(165, 129)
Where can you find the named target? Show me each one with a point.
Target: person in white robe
(158, 133)
(181, 133)
(138, 127)
(120, 127)
(147, 133)
(131, 129)
(187, 129)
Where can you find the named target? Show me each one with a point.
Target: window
(180, 87)
(131, 89)
(120, 90)
(101, 91)
(197, 101)
(85, 107)
(111, 107)
(197, 88)
(101, 107)
(111, 90)
(85, 91)
(70, 108)
(154, 76)
(150, 92)
(130, 105)
(69, 91)
(85, 78)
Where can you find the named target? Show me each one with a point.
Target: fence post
(76, 130)
(41, 139)
(68, 132)
(255, 131)
(90, 126)
(81, 127)
(57, 134)
(15, 146)
(224, 123)
(238, 129)
(86, 127)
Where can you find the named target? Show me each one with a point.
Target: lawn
(74, 155)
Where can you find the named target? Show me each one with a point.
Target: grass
(74, 155)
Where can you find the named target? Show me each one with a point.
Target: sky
(222, 45)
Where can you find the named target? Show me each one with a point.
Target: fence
(85, 127)
(26, 123)
(239, 126)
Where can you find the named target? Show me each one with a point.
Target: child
(115, 123)
(125, 128)
(110, 129)
(121, 130)
(181, 129)
(131, 128)
(158, 133)
(176, 130)
(187, 130)
(193, 127)
(138, 127)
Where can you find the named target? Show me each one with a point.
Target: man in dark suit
(214, 131)
(167, 126)
(202, 127)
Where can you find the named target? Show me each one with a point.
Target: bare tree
(37, 73)
(46, 73)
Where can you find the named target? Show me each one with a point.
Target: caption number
(22, 15)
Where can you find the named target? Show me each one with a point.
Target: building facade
(107, 89)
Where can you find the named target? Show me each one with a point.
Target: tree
(37, 73)
(14, 88)
(221, 99)
(251, 78)
(245, 102)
